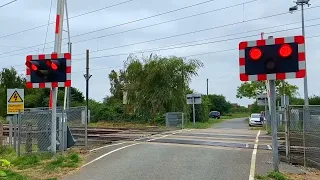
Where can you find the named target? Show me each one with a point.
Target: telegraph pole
(207, 87)
(302, 3)
(87, 76)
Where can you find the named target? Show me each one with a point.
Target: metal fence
(303, 135)
(30, 131)
(281, 119)
(175, 120)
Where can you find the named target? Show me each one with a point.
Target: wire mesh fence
(304, 135)
(76, 121)
(31, 130)
(34, 132)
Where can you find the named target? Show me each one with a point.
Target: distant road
(224, 152)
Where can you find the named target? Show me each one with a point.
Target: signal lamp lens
(54, 66)
(48, 63)
(285, 50)
(34, 67)
(255, 53)
(28, 64)
(271, 64)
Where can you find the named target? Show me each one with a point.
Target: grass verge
(204, 125)
(272, 176)
(37, 166)
(211, 122)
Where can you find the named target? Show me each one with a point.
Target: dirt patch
(305, 176)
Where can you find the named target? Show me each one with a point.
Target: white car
(255, 120)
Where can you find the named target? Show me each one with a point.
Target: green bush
(201, 111)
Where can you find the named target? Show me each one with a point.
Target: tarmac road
(222, 152)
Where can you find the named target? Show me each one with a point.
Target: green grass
(42, 163)
(272, 176)
(64, 161)
(235, 115)
(13, 176)
(211, 122)
(204, 125)
(31, 160)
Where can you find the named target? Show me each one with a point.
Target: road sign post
(15, 101)
(274, 124)
(194, 99)
(270, 60)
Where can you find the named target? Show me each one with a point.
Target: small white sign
(15, 101)
(194, 99)
(262, 100)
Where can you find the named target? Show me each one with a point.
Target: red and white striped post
(54, 90)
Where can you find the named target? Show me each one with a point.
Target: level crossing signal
(48, 70)
(272, 59)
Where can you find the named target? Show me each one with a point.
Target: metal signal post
(272, 59)
(87, 76)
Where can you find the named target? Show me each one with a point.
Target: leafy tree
(9, 78)
(314, 100)
(201, 110)
(158, 84)
(252, 89)
(219, 103)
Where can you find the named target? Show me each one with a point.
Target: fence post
(10, 131)
(29, 137)
(86, 129)
(1, 134)
(62, 131)
(15, 125)
(287, 132)
(182, 120)
(19, 133)
(303, 133)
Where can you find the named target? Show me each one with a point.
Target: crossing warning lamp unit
(48, 70)
(272, 59)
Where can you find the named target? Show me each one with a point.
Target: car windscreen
(255, 116)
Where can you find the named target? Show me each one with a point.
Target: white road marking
(104, 155)
(253, 158)
(158, 138)
(108, 153)
(105, 146)
(269, 147)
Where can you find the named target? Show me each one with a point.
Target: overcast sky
(221, 68)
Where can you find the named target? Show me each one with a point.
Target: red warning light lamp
(255, 53)
(285, 50)
(53, 64)
(32, 66)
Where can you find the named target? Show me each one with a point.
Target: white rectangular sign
(194, 97)
(15, 101)
(262, 100)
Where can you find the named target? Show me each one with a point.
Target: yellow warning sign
(15, 108)
(15, 97)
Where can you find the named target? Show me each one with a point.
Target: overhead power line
(169, 47)
(192, 32)
(168, 37)
(191, 55)
(79, 15)
(7, 3)
(186, 17)
(184, 46)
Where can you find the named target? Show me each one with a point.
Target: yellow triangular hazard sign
(15, 97)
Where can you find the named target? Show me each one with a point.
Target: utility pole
(291, 10)
(54, 90)
(207, 87)
(274, 122)
(87, 76)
